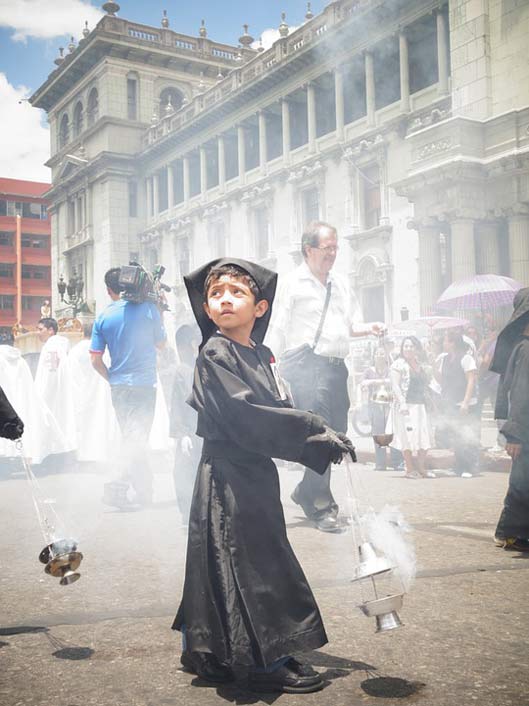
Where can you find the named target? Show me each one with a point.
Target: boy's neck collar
(249, 344)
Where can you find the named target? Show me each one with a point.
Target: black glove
(13, 429)
(339, 444)
(347, 441)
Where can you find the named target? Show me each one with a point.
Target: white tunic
(42, 434)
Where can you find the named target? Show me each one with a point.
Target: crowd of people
(269, 382)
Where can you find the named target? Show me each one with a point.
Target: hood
(512, 332)
(266, 281)
(10, 354)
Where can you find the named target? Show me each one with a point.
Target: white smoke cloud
(45, 19)
(22, 155)
(268, 37)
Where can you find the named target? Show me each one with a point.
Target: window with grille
(310, 205)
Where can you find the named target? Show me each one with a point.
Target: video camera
(137, 285)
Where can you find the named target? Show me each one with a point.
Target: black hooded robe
(245, 598)
(513, 404)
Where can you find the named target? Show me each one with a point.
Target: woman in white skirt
(411, 427)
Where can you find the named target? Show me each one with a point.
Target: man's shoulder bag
(302, 355)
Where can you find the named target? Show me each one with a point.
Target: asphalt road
(106, 640)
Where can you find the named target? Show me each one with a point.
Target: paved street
(106, 640)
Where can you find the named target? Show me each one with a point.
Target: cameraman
(132, 333)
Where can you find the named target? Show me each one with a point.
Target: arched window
(92, 111)
(170, 97)
(64, 131)
(78, 119)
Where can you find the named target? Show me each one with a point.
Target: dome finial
(165, 20)
(246, 39)
(283, 27)
(203, 31)
(86, 31)
(111, 8)
(58, 61)
(260, 48)
(71, 45)
(309, 14)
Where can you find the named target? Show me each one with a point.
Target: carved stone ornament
(305, 172)
(435, 147)
(215, 209)
(256, 192)
(150, 237)
(180, 224)
(364, 145)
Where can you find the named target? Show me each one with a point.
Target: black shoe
(291, 678)
(206, 666)
(329, 523)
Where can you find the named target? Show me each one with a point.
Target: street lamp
(74, 289)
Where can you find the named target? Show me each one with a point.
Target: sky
(31, 32)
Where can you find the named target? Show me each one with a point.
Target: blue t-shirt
(131, 332)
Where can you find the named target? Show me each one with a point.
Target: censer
(384, 397)
(59, 555)
(381, 587)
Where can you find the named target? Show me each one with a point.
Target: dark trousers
(463, 431)
(378, 416)
(514, 519)
(184, 475)
(319, 386)
(134, 407)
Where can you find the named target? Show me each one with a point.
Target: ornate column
(241, 154)
(185, 178)
(463, 248)
(203, 171)
(370, 88)
(519, 246)
(221, 147)
(285, 121)
(404, 73)
(155, 195)
(430, 278)
(338, 103)
(148, 184)
(170, 187)
(311, 116)
(442, 53)
(487, 247)
(263, 147)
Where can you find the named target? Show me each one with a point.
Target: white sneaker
(466, 474)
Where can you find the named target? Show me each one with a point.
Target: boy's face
(231, 305)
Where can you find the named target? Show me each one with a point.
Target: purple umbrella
(479, 292)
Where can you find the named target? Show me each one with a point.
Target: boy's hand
(347, 441)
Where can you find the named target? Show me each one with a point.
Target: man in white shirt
(52, 381)
(314, 317)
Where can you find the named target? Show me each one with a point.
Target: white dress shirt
(297, 312)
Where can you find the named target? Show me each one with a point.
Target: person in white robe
(53, 381)
(97, 430)
(42, 434)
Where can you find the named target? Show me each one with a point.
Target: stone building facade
(404, 122)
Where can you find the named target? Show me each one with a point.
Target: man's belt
(330, 360)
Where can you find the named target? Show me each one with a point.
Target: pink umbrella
(479, 292)
(431, 323)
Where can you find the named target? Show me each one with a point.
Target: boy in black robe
(511, 360)
(246, 600)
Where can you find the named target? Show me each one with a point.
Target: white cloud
(45, 19)
(268, 37)
(27, 143)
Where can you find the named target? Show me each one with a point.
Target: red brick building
(25, 261)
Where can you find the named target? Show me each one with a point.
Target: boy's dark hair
(112, 279)
(49, 323)
(237, 273)
(311, 235)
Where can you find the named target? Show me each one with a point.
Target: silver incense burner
(62, 560)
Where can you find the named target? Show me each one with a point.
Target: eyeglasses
(328, 249)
